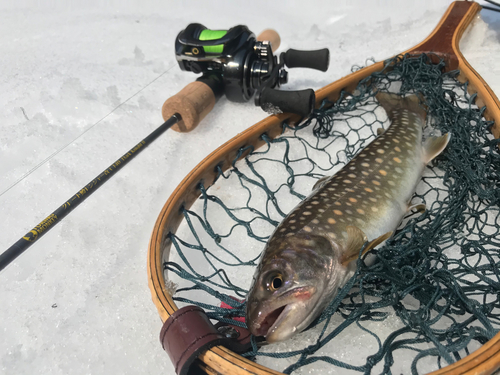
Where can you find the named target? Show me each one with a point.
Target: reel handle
(198, 98)
(317, 59)
(274, 101)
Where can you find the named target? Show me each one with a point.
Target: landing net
(430, 299)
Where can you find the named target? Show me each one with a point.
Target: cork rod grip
(272, 36)
(193, 103)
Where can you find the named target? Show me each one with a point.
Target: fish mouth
(269, 322)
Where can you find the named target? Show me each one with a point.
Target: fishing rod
(50, 221)
(233, 63)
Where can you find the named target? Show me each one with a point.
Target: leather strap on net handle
(458, 16)
(188, 332)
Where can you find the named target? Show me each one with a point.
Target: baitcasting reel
(233, 62)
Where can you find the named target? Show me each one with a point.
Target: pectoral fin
(433, 146)
(380, 131)
(320, 182)
(355, 241)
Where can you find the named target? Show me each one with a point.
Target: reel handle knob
(300, 102)
(272, 36)
(318, 59)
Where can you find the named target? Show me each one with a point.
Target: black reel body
(234, 63)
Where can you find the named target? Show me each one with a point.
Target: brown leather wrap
(188, 332)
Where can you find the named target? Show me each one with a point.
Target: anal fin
(433, 146)
(356, 238)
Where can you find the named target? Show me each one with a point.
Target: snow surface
(81, 85)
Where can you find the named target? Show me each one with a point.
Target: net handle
(458, 16)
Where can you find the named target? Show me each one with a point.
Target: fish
(312, 253)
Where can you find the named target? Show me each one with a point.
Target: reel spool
(238, 65)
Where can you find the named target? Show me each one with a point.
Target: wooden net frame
(443, 42)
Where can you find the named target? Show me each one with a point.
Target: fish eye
(275, 282)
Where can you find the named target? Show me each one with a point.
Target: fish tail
(391, 102)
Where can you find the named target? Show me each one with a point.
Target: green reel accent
(212, 35)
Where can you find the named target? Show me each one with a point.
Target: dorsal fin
(320, 182)
(391, 102)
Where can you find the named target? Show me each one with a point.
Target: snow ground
(81, 84)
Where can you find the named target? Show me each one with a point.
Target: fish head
(289, 286)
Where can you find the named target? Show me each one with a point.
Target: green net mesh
(432, 295)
